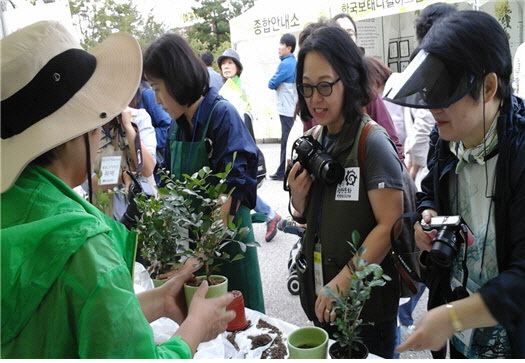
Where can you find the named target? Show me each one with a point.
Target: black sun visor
(428, 83)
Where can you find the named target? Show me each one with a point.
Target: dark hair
(378, 72)
(207, 58)
(347, 61)
(309, 29)
(46, 158)
(341, 16)
(472, 43)
(289, 40)
(429, 16)
(171, 59)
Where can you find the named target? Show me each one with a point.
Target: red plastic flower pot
(237, 305)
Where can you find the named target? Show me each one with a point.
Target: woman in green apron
(208, 131)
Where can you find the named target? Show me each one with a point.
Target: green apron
(188, 157)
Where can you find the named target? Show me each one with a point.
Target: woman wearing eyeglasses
(333, 88)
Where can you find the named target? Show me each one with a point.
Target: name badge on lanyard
(110, 169)
(318, 268)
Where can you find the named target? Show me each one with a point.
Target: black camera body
(451, 233)
(139, 185)
(310, 154)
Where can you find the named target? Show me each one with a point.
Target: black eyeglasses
(324, 88)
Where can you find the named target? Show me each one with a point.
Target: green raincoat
(67, 289)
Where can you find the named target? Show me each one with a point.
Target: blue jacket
(284, 82)
(503, 295)
(160, 119)
(228, 135)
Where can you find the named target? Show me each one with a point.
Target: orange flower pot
(237, 305)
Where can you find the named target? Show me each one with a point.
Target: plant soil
(231, 339)
(213, 281)
(277, 350)
(262, 324)
(260, 340)
(306, 346)
(232, 335)
(342, 353)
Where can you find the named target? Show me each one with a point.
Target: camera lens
(444, 247)
(332, 173)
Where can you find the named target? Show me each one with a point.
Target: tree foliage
(216, 14)
(503, 11)
(98, 19)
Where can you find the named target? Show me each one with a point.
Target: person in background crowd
(231, 68)
(376, 108)
(67, 286)
(118, 140)
(215, 78)
(283, 82)
(519, 71)
(462, 73)
(333, 88)
(160, 120)
(208, 131)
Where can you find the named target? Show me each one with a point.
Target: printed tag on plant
(348, 189)
(110, 169)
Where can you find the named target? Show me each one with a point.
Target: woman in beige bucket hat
(66, 268)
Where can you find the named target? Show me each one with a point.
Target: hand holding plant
(349, 303)
(186, 221)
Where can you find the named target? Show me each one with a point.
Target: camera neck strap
(406, 262)
(138, 148)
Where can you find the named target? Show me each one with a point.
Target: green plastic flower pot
(213, 290)
(158, 283)
(308, 343)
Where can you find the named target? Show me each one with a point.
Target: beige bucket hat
(54, 91)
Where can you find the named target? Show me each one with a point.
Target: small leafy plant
(349, 304)
(186, 221)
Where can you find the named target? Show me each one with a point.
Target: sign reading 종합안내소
(277, 23)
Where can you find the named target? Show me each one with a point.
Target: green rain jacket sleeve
(111, 323)
(66, 278)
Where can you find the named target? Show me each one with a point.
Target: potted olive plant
(349, 304)
(186, 221)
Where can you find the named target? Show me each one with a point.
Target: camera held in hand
(310, 154)
(139, 185)
(449, 234)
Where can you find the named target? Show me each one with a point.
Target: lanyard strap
(138, 149)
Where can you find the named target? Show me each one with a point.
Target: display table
(265, 337)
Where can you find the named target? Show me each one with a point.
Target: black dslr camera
(138, 185)
(450, 234)
(309, 153)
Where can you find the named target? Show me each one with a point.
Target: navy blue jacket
(228, 134)
(504, 295)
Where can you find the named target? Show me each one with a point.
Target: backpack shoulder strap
(361, 155)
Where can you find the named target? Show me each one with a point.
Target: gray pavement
(273, 256)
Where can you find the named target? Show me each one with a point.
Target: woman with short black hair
(208, 131)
